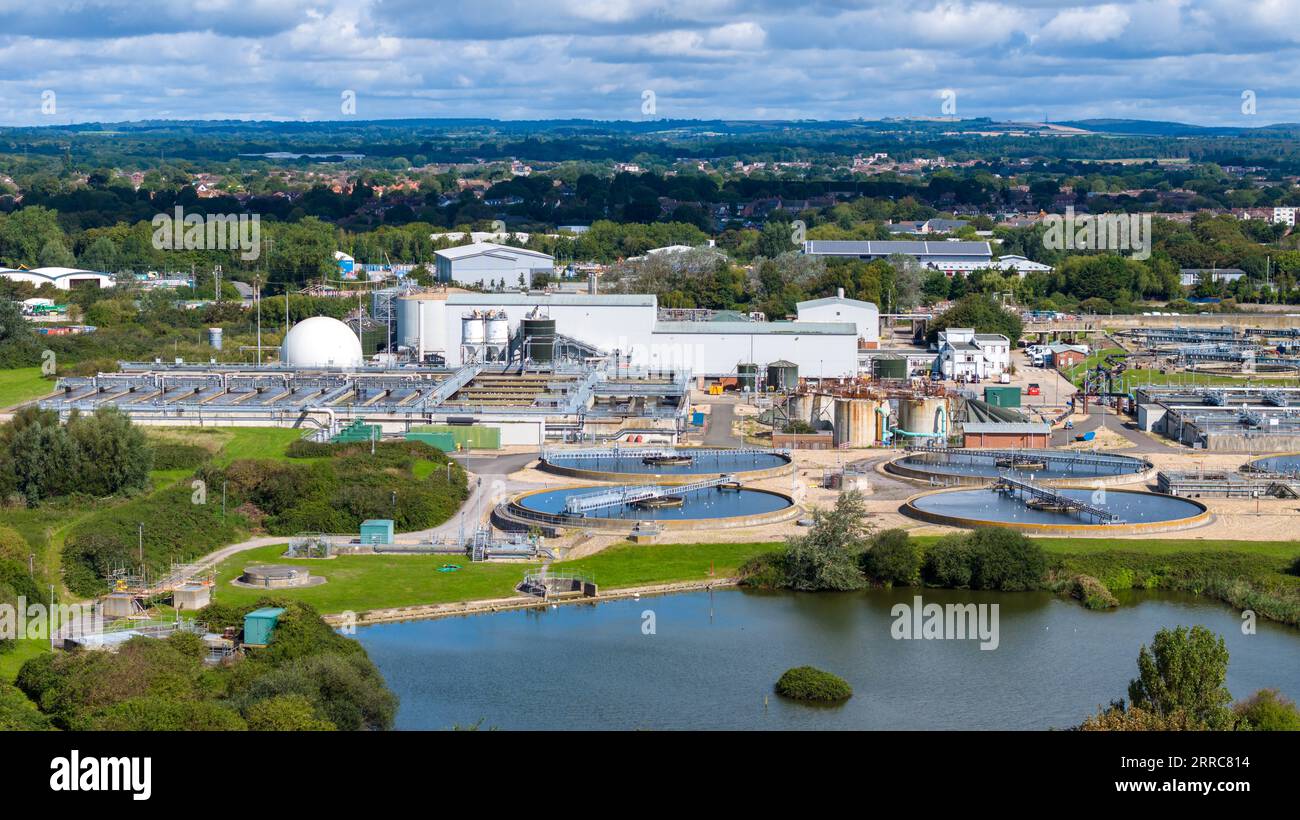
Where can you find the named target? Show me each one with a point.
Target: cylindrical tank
(498, 328)
(928, 415)
(822, 409)
(472, 330)
(747, 377)
(855, 422)
(782, 375)
(214, 337)
(422, 323)
(539, 339)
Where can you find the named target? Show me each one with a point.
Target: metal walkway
(622, 496)
(1025, 489)
(648, 452)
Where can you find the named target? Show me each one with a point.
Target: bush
(987, 558)
(171, 455)
(765, 571)
(1267, 711)
(811, 683)
(18, 714)
(1092, 592)
(161, 714)
(286, 713)
(892, 559)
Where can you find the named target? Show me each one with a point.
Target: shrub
(1267, 711)
(1092, 592)
(286, 713)
(18, 714)
(765, 571)
(892, 559)
(160, 714)
(811, 683)
(172, 455)
(987, 558)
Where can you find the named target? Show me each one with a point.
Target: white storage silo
(498, 335)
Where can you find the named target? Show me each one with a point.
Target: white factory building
(462, 327)
(61, 278)
(487, 264)
(949, 257)
(864, 315)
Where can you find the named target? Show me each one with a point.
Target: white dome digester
(321, 342)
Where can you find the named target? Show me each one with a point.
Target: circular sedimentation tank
(710, 508)
(1055, 467)
(278, 576)
(1139, 512)
(1285, 463)
(666, 465)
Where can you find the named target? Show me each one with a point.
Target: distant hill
(1159, 128)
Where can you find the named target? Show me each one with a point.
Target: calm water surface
(715, 657)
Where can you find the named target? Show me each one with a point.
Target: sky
(1212, 62)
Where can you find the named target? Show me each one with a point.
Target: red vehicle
(1033, 390)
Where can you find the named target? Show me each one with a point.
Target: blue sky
(1187, 60)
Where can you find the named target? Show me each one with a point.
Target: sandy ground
(1235, 519)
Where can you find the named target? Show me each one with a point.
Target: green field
(363, 582)
(22, 385)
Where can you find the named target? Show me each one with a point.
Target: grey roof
(991, 337)
(1018, 428)
(1233, 271)
(885, 248)
(760, 328)
(836, 300)
(488, 249)
(602, 299)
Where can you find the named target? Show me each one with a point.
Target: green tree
(1267, 711)
(827, 557)
(286, 713)
(1183, 672)
(892, 559)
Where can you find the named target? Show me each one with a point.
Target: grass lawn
(11, 662)
(362, 582)
(23, 384)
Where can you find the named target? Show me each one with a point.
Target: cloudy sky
(110, 60)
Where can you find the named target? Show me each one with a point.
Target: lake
(714, 657)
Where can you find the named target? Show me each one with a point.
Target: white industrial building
(458, 327)
(949, 257)
(863, 315)
(61, 278)
(487, 263)
(1021, 265)
(965, 354)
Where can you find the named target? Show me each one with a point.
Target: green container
(889, 368)
(443, 441)
(747, 377)
(260, 624)
(377, 531)
(465, 436)
(1002, 396)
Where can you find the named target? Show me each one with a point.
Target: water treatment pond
(1289, 464)
(1080, 466)
(713, 502)
(714, 657)
(986, 505)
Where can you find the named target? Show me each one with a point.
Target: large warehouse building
(61, 278)
(487, 263)
(949, 257)
(459, 328)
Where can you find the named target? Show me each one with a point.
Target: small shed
(377, 531)
(259, 624)
(994, 435)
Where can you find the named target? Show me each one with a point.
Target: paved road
(1103, 417)
(717, 426)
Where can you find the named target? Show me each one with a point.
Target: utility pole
(257, 304)
(140, 533)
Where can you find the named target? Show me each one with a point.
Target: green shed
(377, 531)
(1002, 396)
(259, 624)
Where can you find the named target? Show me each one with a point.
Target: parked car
(1033, 390)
